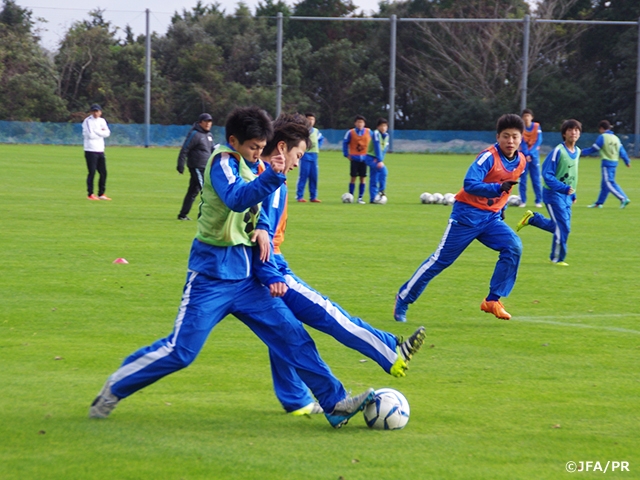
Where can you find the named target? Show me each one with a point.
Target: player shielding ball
(477, 214)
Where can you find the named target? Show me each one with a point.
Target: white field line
(550, 320)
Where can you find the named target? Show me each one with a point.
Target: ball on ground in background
(514, 200)
(426, 198)
(449, 199)
(388, 411)
(438, 198)
(347, 198)
(380, 199)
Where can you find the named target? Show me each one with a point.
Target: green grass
(487, 396)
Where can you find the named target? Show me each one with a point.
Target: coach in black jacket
(196, 150)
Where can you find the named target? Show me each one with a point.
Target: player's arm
(184, 151)
(103, 129)
(237, 194)
(524, 147)
(474, 179)
(536, 146)
(345, 144)
(595, 148)
(320, 139)
(625, 156)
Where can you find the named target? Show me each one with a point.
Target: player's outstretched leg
(406, 349)
(348, 407)
(104, 403)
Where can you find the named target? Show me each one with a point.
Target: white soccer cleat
(104, 403)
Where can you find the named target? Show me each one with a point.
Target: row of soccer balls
(348, 198)
(450, 198)
(430, 198)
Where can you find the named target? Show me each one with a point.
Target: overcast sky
(60, 14)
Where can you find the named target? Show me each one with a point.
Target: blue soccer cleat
(400, 310)
(348, 407)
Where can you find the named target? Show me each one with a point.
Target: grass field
(489, 399)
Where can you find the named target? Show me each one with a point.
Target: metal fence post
(525, 63)
(392, 79)
(147, 86)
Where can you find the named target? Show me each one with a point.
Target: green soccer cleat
(559, 264)
(624, 203)
(524, 221)
(348, 407)
(595, 205)
(406, 349)
(312, 409)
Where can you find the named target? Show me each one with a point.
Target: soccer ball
(380, 199)
(438, 198)
(347, 198)
(388, 411)
(426, 197)
(514, 201)
(449, 199)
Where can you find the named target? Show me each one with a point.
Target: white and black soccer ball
(438, 198)
(347, 198)
(380, 199)
(426, 198)
(388, 411)
(449, 199)
(514, 200)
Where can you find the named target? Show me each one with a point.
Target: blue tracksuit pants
(494, 234)
(559, 225)
(377, 178)
(532, 169)
(205, 302)
(317, 311)
(609, 185)
(308, 171)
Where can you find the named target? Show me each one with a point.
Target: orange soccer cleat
(496, 308)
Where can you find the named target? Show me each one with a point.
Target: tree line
(450, 76)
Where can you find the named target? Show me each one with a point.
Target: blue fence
(431, 141)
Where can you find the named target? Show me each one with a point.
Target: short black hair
(310, 114)
(527, 110)
(359, 117)
(509, 120)
(290, 128)
(567, 124)
(382, 121)
(248, 123)
(605, 124)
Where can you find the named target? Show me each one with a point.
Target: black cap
(95, 107)
(205, 117)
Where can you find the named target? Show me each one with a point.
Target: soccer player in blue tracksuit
(560, 174)
(220, 280)
(308, 305)
(530, 148)
(477, 215)
(355, 146)
(611, 151)
(309, 163)
(375, 159)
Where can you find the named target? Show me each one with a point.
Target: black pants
(96, 161)
(195, 186)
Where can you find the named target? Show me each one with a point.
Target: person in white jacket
(94, 131)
